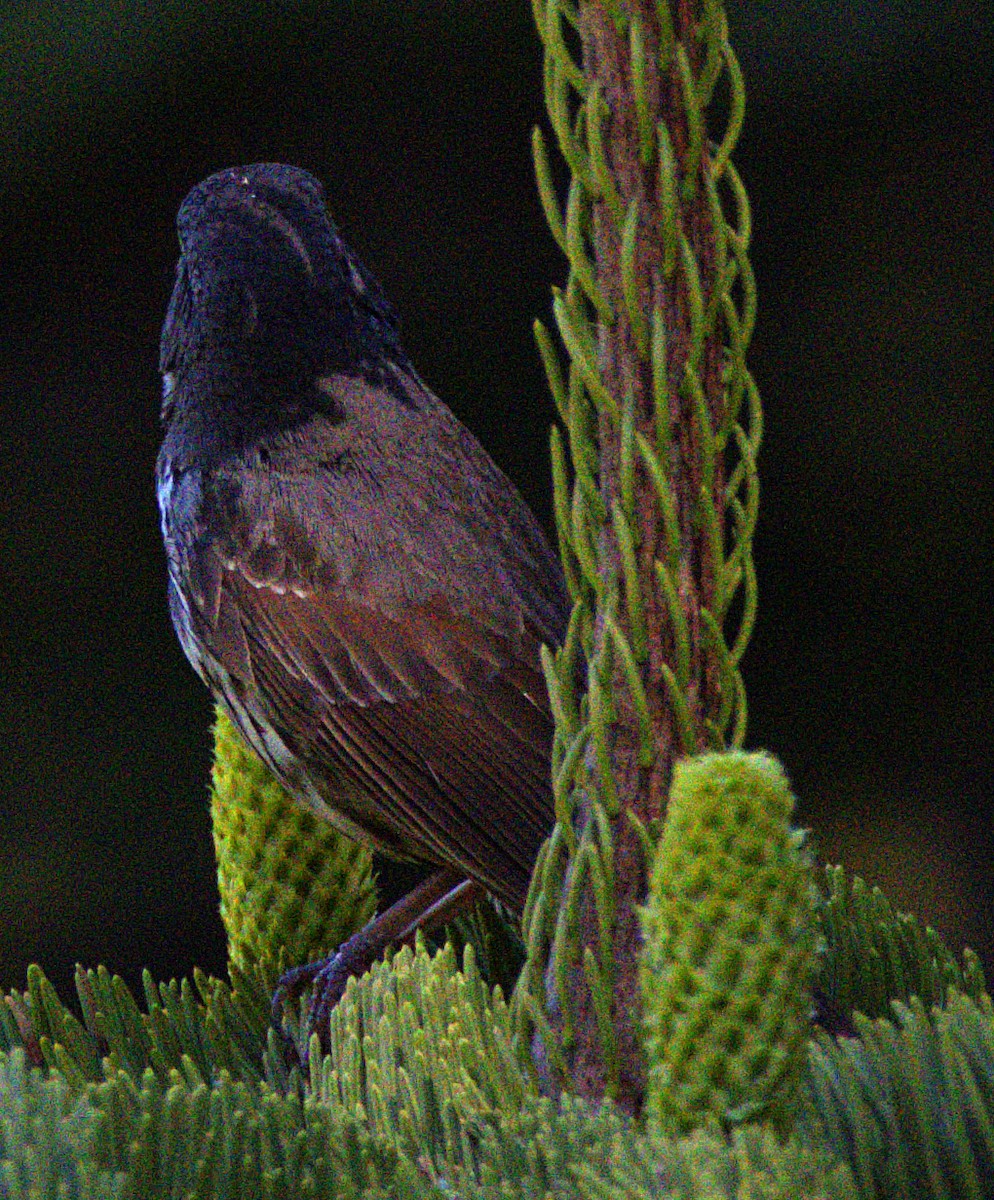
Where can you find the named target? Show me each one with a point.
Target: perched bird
(350, 574)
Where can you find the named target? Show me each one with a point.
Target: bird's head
(263, 270)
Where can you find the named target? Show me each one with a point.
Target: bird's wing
(437, 719)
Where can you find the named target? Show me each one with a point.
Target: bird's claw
(291, 984)
(328, 977)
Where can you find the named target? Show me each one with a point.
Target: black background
(867, 154)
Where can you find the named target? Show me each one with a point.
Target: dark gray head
(263, 271)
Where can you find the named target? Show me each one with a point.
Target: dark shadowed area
(867, 153)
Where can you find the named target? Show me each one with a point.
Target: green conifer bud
(729, 948)
(286, 878)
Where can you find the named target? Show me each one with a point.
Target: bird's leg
(435, 901)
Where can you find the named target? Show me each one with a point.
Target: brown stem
(642, 790)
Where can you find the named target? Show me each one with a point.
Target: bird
(361, 588)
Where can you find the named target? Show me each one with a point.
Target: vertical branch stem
(693, 367)
(655, 319)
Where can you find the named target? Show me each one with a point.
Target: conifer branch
(656, 490)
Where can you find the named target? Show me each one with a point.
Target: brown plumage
(350, 573)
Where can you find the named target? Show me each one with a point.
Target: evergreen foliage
(656, 491)
(420, 1095)
(131, 1139)
(288, 880)
(909, 1105)
(424, 1051)
(729, 948)
(873, 955)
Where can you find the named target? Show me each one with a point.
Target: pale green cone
(286, 878)
(729, 948)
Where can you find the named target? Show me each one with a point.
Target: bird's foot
(430, 905)
(329, 978)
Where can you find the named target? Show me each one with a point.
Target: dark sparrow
(349, 573)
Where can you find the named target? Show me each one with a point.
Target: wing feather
(420, 730)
